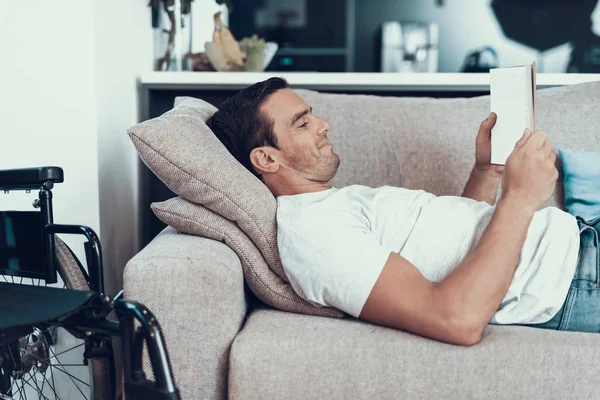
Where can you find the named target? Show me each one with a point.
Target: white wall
(48, 103)
(67, 95)
(123, 50)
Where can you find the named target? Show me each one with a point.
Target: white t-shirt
(334, 243)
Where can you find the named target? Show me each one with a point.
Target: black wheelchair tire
(102, 370)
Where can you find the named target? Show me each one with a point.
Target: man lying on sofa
(441, 267)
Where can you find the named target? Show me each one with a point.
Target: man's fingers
(537, 140)
(526, 135)
(488, 123)
(547, 148)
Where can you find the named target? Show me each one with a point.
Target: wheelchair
(40, 324)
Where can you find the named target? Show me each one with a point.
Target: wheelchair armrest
(29, 178)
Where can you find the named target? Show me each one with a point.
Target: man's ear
(264, 160)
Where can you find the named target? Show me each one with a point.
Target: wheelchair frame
(89, 322)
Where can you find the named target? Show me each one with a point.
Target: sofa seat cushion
(284, 355)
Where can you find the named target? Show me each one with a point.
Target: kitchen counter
(347, 82)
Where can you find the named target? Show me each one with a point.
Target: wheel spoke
(72, 365)
(56, 355)
(44, 381)
(37, 387)
(53, 384)
(31, 386)
(24, 390)
(33, 378)
(52, 387)
(73, 378)
(12, 387)
(20, 390)
(28, 379)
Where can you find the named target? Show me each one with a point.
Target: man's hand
(483, 148)
(530, 171)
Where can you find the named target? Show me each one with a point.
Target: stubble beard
(328, 167)
(323, 170)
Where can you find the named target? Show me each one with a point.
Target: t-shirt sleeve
(333, 267)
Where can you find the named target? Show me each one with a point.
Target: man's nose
(324, 126)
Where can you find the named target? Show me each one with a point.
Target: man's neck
(292, 189)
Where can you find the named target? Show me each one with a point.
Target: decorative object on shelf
(224, 51)
(258, 53)
(199, 62)
(227, 54)
(170, 20)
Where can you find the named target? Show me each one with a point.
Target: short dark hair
(241, 126)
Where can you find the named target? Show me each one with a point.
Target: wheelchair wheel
(48, 363)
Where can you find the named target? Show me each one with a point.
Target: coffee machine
(409, 46)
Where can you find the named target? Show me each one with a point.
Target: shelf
(298, 51)
(346, 81)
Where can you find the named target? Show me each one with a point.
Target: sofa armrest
(195, 287)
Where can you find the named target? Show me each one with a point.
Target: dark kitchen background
(394, 35)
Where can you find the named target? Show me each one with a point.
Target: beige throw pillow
(197, 220)
(183, 152)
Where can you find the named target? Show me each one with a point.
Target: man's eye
(304, 125)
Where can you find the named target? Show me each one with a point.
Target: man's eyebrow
(300, 115)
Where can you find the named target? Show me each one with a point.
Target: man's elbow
(472, 336)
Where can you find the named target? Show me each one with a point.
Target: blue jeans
(581, 309)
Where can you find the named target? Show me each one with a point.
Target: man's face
(301, 137)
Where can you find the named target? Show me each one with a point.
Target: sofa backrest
(429, 144)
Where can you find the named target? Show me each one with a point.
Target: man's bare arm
(453, 310)
(482, 185)
(480, 282)
(457, 309)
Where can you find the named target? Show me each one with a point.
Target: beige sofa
(225, 342)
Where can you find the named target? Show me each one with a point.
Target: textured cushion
(582, 182)
(184, 153)
(194, 219)
(280, 355)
